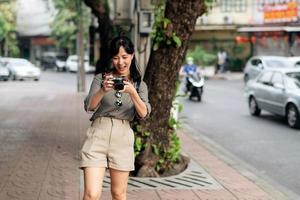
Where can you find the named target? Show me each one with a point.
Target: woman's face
(122, 62)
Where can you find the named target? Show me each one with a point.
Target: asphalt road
(265, 143)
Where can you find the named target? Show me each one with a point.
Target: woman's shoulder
(98, 76)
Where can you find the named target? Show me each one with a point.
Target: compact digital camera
(118, 83)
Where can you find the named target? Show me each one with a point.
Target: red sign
(281, 12)
(42, 41)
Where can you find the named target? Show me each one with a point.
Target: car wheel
(253, 107)
(246, 78)
(292, 116)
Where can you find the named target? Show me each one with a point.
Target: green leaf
(155, 46)
(177, 40)
(155, 149)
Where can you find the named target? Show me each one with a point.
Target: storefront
(274, 40)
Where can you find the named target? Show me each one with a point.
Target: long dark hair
(125, 42)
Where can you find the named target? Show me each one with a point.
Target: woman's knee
(91, 195)
(118, 194)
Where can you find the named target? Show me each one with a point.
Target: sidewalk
(209, 73)
(39, 144)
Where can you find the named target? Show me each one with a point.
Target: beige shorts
(109, 144)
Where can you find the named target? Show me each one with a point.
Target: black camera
(118, 83)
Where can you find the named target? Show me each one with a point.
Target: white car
(257, 64)
(21, 69)
(295, 61)
(72, 64)
(4, 73)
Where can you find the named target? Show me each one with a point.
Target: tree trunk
(105, 30)
(161, 77)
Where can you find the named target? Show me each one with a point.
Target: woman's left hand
(128, 87)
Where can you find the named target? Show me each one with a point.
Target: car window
(293, 80)
(277, 78)
(256, 62)
(265, 78)
(277, 63)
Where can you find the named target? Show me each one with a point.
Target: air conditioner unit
(227, 19)
(202, 20)
(146, 19)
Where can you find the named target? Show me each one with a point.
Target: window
(277, 78)
(265, 78)
(256, 62)
(240, 5)
(233, 5)
(293, 80)
(226, 5)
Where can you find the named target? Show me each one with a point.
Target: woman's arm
(95, 100)
(140, 106)
(140, 100)
(97, 91)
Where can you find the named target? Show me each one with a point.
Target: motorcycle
(195, 86)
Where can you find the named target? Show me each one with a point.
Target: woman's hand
(107, 83)
(128, 88)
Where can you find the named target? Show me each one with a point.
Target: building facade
(250, 27)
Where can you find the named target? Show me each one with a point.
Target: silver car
(21, 69)
(4, 73)
(258, 63)
(295, 61)
(276, 91)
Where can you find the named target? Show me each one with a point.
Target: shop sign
(281, 12)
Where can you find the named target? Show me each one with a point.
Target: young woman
(110, 139)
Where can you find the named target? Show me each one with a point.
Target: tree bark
(161, 76)
(105, 30)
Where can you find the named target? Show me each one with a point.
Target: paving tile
(177, 195)
(222, 194)
(142, 194)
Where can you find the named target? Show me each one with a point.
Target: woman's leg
(93, 179)
(119, 181)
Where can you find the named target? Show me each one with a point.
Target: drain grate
(194, 177)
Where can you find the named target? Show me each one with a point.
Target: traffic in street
(266, 143)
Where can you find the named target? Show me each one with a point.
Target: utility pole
(80, 51)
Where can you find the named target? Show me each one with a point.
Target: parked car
(258, 63)
(277, 91)
(20, 69)
(295, 61)
(53, 60)
(4, 72)
(72, 64)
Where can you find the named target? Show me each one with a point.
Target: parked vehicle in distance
(53, 60)
(72, 64)
(258, 63)
(4, 72)
(295, 61)
(277, 91)
(20, 69)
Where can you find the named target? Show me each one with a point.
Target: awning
(214, 27)
(269, 29)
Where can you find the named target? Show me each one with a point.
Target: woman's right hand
(107, 83)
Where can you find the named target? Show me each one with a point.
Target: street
(266, 143)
